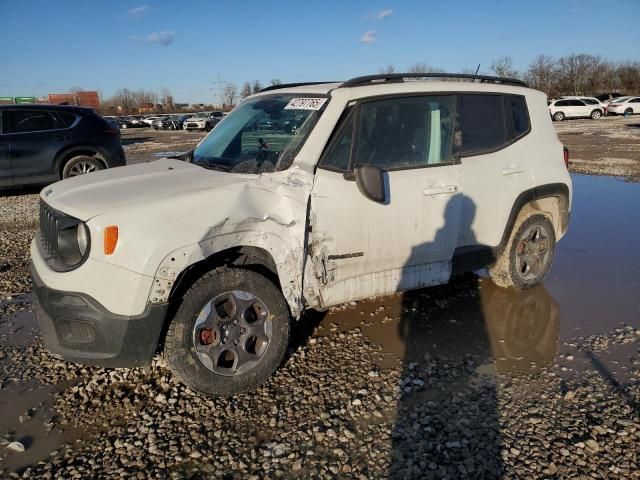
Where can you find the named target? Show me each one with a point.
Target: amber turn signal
(110, 239)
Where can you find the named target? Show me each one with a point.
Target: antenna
(478, 69)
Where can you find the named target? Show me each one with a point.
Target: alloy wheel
(232, 332)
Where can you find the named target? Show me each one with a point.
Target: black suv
(46, 143)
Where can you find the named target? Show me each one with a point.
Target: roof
(43, 106)
(394, 78)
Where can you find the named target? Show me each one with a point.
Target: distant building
(83, 98)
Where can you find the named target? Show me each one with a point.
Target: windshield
(620, 99)
(262, 134)
(200, 115)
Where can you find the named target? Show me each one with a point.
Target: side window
(563, 103)
(406, 132)
(517, 108)
(32, 121)
(577, 103)
(337, 158)
(635, 100)
(482, 122)
(65, 119)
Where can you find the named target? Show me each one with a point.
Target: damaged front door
(361, 248)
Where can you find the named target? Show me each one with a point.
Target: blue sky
(50, 46)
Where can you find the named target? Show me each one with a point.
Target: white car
(575, 107)
(149, 120)
(590, 101)
(203, 121)
(385, 184)
(624, 106)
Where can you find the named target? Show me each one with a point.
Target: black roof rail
(399, 77)
(289, 85)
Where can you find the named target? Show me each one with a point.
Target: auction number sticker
(306, 103)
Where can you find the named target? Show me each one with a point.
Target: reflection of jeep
(384, 184)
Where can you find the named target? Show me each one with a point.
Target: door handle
(511, 170)
(445, 189)
(60, 138)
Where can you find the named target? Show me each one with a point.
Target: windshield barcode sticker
(306, 103)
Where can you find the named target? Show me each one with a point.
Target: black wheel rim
(232, 333)
(533, 253)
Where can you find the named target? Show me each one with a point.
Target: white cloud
(379, 15)
(368, 37)
(160, 38)
(382, 14)
(139, 11)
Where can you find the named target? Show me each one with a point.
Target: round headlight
(83, 238)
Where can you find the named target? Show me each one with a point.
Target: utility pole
(217, 89)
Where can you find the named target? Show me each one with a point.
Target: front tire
(596, 114)
(80, 165)
(558, 116)
(229, 334)
(528, 255)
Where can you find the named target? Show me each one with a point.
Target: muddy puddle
(593, 288)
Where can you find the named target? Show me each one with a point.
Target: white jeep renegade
(304, 197)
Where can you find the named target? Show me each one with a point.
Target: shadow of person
(456, 337)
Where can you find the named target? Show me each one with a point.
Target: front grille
(49, 227)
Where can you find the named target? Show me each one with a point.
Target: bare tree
(387, 70)
(166, 98)
(503, 67)
(257, 86)
(542, 74)
(275, 81)
(421, 67)
(229, 94)
(246, 90)
(574, 71)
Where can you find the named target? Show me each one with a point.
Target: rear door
(35, 140)
(362, 248)
(5, 160)
(494, 162)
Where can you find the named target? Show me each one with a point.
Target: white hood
(89, 195)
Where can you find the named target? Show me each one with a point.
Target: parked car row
(592, 107)
(198, 121)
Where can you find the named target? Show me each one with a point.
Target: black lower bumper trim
(77, 328)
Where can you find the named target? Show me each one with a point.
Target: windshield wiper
(215, 166)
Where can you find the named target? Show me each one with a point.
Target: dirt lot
(461, 381)
(608, 146)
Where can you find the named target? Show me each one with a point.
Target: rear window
(491, 122)
(517, 110)
(482, 122)
(65, 119)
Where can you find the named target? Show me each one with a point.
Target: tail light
(566, 157)
(112, 131)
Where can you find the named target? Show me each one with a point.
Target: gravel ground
(331, 411)
(608, 146)
(439, 383)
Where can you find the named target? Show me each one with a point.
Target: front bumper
(77, 328)
(195, 126)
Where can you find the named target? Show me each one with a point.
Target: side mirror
(371, 182)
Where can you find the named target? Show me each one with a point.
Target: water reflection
(470, 316)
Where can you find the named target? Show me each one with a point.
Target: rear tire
(558, 116)
(528, 255)
(80, 165)
(229, 334)
(596, 114)
(628, 111)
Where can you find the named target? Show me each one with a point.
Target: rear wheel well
(551, 200)
(78, 153)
